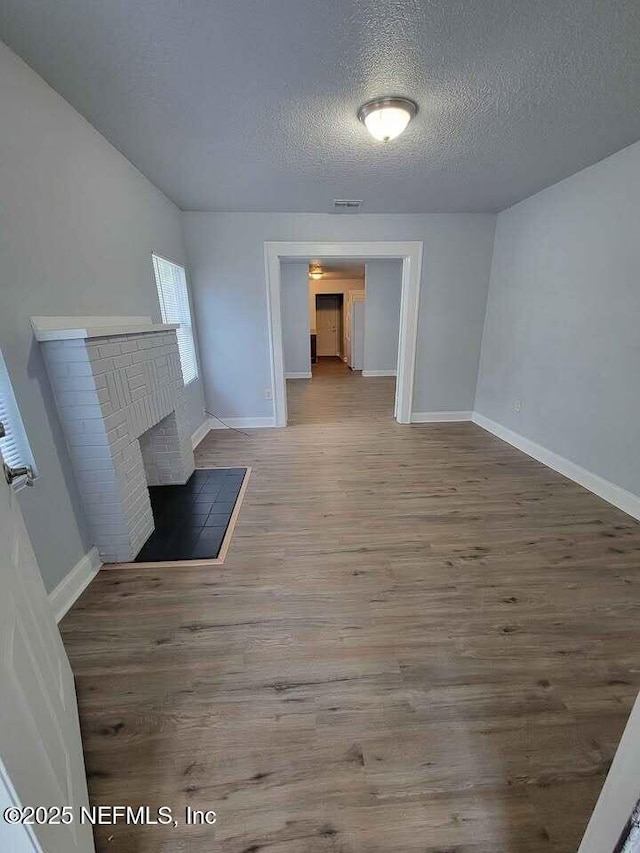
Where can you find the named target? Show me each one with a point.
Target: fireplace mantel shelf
(69, 328)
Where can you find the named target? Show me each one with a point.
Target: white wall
(78, 224)
(382, 315)
(294, 284)
(226, 259)
(562, 330)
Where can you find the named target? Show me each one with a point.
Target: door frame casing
(409, 252)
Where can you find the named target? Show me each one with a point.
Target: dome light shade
(316, 272)
(386, 118)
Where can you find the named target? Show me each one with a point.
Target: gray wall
(382, 314)
(294, 295)
(226, 259)
(78, 224)
(562, 331)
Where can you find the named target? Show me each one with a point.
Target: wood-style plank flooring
(421, 640)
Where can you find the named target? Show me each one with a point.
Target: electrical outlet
(517, 405)
(268, 394)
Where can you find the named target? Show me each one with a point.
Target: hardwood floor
(421, 640)
(337, 395)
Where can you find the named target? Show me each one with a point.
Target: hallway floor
(336, 394)
(421, 641)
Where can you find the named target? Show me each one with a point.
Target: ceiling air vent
(346, 205)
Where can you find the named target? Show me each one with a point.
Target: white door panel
(40, 740)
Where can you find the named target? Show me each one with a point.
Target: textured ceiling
(251, 105)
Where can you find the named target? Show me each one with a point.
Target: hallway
(336, 393)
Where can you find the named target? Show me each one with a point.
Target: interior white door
(327, 323)
(42, 761)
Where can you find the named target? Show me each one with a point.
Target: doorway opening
(281, 260)
(333, 286)
(329, 326)
(346, 343)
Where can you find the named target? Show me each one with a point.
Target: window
(14, 446)
(171, 282)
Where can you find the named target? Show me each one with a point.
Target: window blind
(14, 446)
(171, 282)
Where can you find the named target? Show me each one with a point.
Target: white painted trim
(241, 423)
(303, 375)
(608, 491)
(439, 417)
(200, 433)
(370, 373)
(410, 252)
(74, 584)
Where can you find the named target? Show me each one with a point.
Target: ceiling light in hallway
(385, 118)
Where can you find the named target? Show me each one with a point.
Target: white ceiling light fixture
(315, 272)
(386, 118)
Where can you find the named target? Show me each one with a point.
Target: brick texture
(122, 407)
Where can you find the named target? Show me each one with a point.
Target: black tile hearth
(191, 520)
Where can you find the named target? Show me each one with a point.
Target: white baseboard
(200, 433)
(608, 491)
(303, 375)
(241, 423)
(74, 584)
(368, 373)
(439, 417)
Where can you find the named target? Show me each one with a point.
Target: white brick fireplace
(119, 390)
